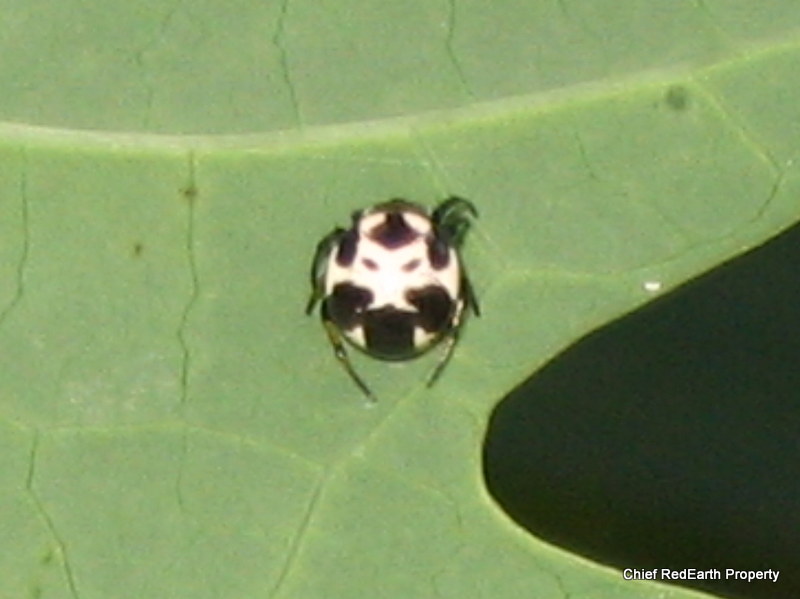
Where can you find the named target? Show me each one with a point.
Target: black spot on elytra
(438, 253)
(346, 252)
(435, 307)
(346, 304)
(389, 333)
(394, 232)
(411, 266)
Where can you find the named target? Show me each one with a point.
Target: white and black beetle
(393, 284)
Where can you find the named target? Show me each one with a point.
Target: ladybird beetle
(393, 284)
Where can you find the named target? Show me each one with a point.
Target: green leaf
(173, 425)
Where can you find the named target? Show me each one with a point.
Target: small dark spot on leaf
(677, 98)
(189, 193)
(47, 557)
(138, 248)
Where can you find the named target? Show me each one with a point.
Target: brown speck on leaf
(189, 193)
(677, 98)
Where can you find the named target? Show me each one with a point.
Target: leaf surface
(173, 425)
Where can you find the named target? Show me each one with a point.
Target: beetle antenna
(453, 218)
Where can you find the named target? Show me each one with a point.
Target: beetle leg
(470, 299)
(448, 345)
(341, 355)
(319, 265)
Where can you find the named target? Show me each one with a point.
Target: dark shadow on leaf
(671, 437)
